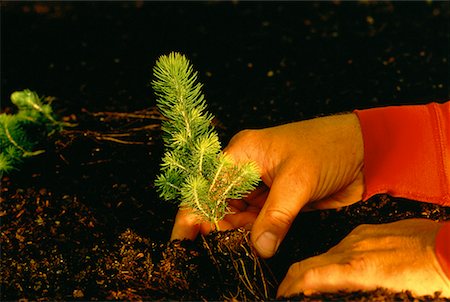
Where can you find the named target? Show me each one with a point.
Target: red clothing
(443, 247)
(407, 154)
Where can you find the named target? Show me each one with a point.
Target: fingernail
(267, 244)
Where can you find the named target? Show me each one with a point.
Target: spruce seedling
(194, 171)
(21, 132)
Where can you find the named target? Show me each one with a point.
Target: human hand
(397, 256)
(313, 164)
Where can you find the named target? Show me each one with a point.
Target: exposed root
(150, 113)
(134, 128)
(233, 257)
(112, 136)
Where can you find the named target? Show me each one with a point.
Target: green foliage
(195, 172)
(20, 133)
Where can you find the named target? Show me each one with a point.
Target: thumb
(285, 199)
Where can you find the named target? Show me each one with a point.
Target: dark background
(262, 63)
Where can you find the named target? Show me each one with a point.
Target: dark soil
(76, 232)
(83, 221)
(55, 247)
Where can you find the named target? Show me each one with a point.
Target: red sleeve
(443, 247)
(407, 152)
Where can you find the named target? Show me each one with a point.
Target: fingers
(287, 196)
(326, 273)
(257, 197)
(186, 226)
(395, 256)
(241, 219)
(326, 278)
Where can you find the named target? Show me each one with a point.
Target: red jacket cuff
(406, 151)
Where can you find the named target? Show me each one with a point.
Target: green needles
(21, 133)
(194, 170)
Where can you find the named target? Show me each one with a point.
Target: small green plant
(21, 133)
(195, 172)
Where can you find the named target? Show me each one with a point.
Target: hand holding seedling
(314, 164)
(318, 164)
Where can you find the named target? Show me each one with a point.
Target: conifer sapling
(21, 133)
(194, 170)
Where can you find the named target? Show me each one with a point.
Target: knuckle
(280, 217)
(362, 228)
(358, 262)
(243, 143)
(312, 275)
(294, 269)
(359, 245)
(247, 135)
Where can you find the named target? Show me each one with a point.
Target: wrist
(346, 147)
